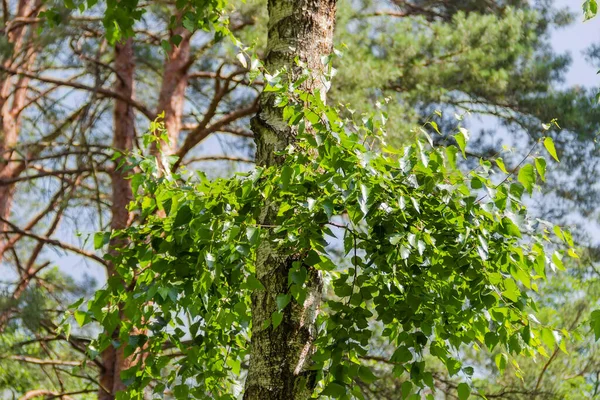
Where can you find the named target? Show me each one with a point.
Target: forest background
(69, 98)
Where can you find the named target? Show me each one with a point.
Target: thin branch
(39, 361)
(218, 158)
(32, 394)
(101, 91)
(53, 242)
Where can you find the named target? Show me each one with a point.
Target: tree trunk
(280, 358)
(13, 96)
(171, 102)
(172, 92)
(123, 138)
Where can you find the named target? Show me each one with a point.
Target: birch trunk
(280, 358)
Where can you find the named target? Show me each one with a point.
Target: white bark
(280, 358)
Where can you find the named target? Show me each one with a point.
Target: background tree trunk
(172, 92)
(13, 96)
(123, 138)
(280, 358)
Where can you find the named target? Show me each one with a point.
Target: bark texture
(172, 92)
(13, 99)
(113, 360)
(280, 358)
(171, 101)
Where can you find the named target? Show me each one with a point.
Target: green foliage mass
(119, 17)
(437, 258)
(496, 64)
(29, 339)
(567, 371)
(493, 61)
(470, 61)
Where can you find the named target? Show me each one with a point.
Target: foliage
(29, 339)
(524, 76)
(568, 372)
(438, 258)
(487, 63)
(120, 16)
(496, 64)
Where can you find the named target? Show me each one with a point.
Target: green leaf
(547, 336)
(101, 239)
(491, 339)
(298, 276)
(334, 390)
(276, 318)
(81, 317)
(527, 177)
(500, 164)
(176, 39)
(590, 9)
(434, 125)
(540, 166)
(510, 228)
(163, 292)
(404, 252)
(461, 141)
(501, 360)
(406, 389)
(67, 331)
(76, 304)
(402, 355)
(572, 253)
(252, 233)
(286, 176)
(511, 291)
(235, 365)
(595, 323)
(166, 46)
(282, 301)
(366, 375)
(464, 391)
(557, 261)
(312, 258)
(181, 392)
(253, 283)
(549, 145)
(242, 59)
(453, 366)
(184, 216)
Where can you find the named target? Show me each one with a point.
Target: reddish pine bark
(113, 359)
(13, 96)
(172, 92)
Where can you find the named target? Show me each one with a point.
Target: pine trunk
(280, 358)
(172, 92)
(113, 360)
(13, 97)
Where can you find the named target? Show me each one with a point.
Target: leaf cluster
(437, 257)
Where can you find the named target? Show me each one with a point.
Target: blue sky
(575, 39)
